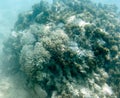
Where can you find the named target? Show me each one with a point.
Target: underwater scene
(60, 49)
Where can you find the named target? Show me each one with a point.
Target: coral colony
(68, 49)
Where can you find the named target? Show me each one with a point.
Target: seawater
(14, 86)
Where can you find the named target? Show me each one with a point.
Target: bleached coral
(107, 90)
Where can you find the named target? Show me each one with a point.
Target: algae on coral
(69, 48)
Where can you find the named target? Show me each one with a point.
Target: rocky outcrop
(70, 49)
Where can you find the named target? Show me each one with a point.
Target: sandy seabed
(13, 87)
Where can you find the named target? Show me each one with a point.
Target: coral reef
(68, 49)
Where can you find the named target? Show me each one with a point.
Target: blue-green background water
(117, 2)
(9, 10)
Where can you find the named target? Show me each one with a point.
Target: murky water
(14, 85)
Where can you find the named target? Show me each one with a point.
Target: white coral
(107, 89)
(85, 92)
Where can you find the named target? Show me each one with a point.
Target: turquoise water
(116, 2)
(9, 10)
(11, 87)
